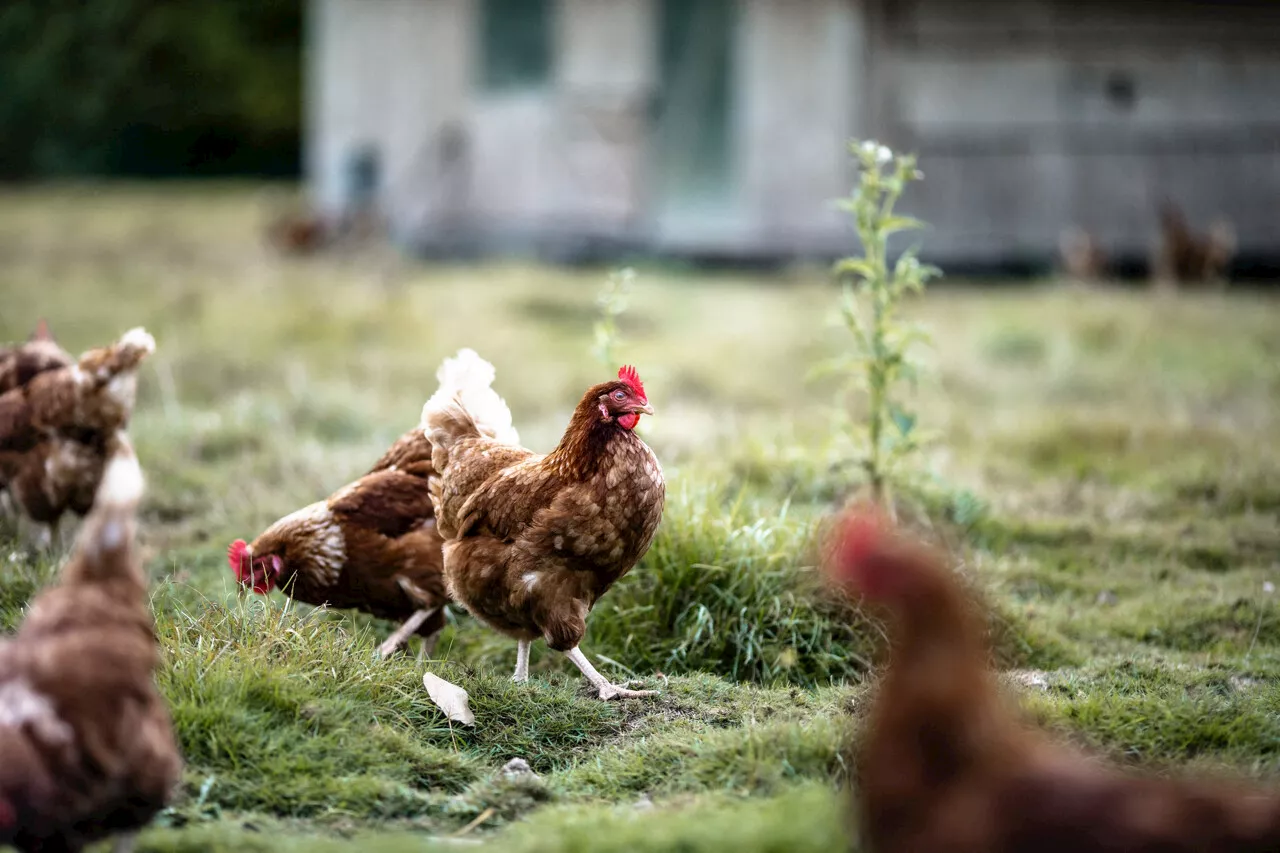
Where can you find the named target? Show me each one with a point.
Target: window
(516, 43)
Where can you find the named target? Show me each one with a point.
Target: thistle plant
(873, 291)
(612, 303)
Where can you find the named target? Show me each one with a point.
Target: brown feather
(371, 546)
(86, 744)
(534, 541)
(946, 765)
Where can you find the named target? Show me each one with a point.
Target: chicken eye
(618, 395)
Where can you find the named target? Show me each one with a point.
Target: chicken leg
(125, 843)
(402, 634)
(522, 662)
(608, 690)
(428, 646)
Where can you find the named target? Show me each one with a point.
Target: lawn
(1106, 463)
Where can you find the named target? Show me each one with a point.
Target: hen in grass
(946, 766)
(532, 541)
(20, 363)
(87, 748)
(373, 545)
(57, 428)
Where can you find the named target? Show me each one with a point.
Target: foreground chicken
(533, 541)
(21, 363)
(947, 767)
(372, 545)
(86, 744)
(56, 429)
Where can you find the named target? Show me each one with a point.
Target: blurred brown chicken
(87, 749)
(20, 363)
(56, 430)
(298, 234)
(1181, 255)
(946, 766)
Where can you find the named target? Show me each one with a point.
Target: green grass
(1108, 469)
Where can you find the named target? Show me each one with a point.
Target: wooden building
(719, 127)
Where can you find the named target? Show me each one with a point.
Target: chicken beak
(645, 409)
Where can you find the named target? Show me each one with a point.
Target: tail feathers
(466, 382)
(122, 356)
(109, 530)
(445, 423)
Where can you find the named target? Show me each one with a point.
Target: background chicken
(533, 541)
(1183, 256)
(56, 429)
(20, 363)
(86, 744)
(1082, 258)
(372, 545)
(947, 766)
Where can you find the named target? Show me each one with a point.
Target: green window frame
(515, 44)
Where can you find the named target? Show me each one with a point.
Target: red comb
(42, 331)
(860, 535)
(628, 374)
(240, 558)
(235, 555)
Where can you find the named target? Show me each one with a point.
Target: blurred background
(310, 203)
(708, 129)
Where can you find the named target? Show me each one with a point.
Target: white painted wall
(1004, 101)
(800, 103)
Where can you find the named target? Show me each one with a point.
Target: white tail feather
(109, 526)
(467, 380)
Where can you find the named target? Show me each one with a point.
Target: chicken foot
(402, 634)
(125, 843)
(522, 661)
(608, 690)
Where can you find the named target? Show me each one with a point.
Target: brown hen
(532, 541)
(56, 429)
(20, 363)
(946, 766)
(1183, 256)
(372, 545)
(87, 748)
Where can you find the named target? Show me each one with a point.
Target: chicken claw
(608, 690)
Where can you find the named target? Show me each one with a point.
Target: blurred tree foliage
(150, 87)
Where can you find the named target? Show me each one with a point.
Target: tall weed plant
(881, 360)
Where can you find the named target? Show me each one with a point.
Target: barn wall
(1028, 116)
(1033, 116)
(606, 80)
(575, 158)
(801, 95)
(393, 75)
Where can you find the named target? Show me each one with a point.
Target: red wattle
(629, 420)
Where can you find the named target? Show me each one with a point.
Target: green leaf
(839, 364)
(856, 266)
(894, 224)
(904, 421)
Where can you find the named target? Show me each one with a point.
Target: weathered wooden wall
(1034, 115)
(1028, 116)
